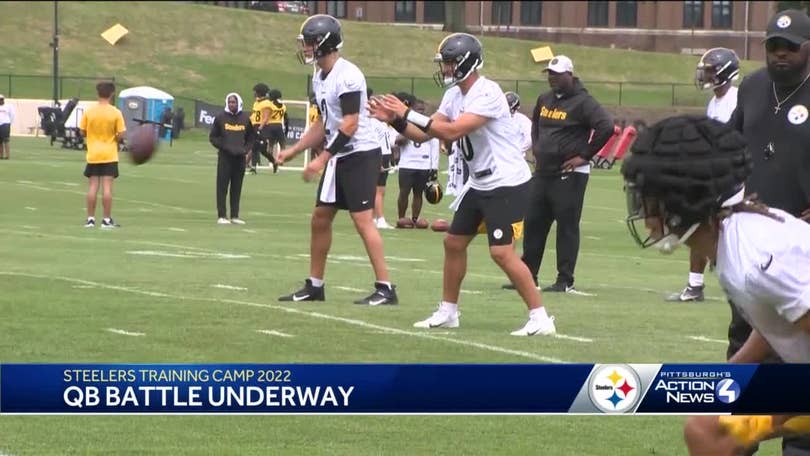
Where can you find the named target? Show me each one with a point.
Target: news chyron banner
(403, 389)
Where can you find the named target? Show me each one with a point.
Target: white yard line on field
(297, 311)
(271, 332)
(125, 333)
(708, 339)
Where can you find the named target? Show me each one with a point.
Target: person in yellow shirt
(103, 126)
(260, 117)
(277, 123)
(314, 115)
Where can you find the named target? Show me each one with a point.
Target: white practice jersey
(492, 153)
(345, 77)
(525, 128)
(414, 155)
(385, 137)
(764, 267)
(722, 108)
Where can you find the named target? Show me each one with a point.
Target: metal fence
(609, 93)
(41, 86)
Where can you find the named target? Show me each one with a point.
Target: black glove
(433, 175)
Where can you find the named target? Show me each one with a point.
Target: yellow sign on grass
(114, 33)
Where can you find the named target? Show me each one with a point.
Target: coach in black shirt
(562, 123)
(772, 114)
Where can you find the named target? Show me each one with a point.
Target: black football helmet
(321, 32)
(514, 101)
(433, 192)
(716, 68)
(464, 52)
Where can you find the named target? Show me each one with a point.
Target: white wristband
(420, 120)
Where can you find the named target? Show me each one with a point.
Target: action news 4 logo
(697, 387)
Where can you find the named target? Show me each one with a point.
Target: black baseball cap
(792, 25)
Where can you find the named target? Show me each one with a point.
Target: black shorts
(5, 133)
(498, 212)
(355, 181)
(274, 133)
(413, 179)
(385, 165)
(101, 169)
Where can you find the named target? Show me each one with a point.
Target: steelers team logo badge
(797, 114)
(614, 388)
(783, 22)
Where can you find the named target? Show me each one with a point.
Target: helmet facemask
(311, 48)
(649, 216)
(710, 76)
(462, 67)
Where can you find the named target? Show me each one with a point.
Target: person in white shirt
(418, 164)
(685, 185)
(351, 159)
(6, 119)
(474, 112)
(524, 123)
(716, 71)
(385, 137)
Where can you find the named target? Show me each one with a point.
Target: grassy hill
(202, 51)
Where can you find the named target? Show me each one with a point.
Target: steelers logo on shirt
(783, 22)
(797, 114)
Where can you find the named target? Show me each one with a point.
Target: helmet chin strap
(671, 241)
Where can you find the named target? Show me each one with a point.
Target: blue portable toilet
(146, 103)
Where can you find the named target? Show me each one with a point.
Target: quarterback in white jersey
(475, 113)
(350, 162)
(762, 255)
(716, 70)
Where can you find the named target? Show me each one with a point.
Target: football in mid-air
(142, 143)
(440, 225)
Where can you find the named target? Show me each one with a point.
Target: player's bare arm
(755, 350)
(435, 126)
(311, 139)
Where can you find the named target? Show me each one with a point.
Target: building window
(501, 13)
(597, 14)
(721, 15)
(531, 13)
(313, 7)
(626, 13)
(434, 12)
(336, 9)
(692, 14)
(405, 11)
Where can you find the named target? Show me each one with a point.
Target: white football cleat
(237, 221)
(442, 318)
(223, 221)
(537, 326)
(383, 225)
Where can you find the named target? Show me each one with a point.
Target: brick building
(667, 26)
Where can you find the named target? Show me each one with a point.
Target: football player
(418, 165)
(524, 124)
(277, 124)
(259, 118)
(716, 70)
(684, 184)
(384, 137)
(475, 113)
(351, 158)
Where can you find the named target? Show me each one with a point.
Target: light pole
(55, 46)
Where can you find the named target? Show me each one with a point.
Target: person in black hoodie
(562, 122)
(233, 136)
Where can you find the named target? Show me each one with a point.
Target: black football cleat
(308, 293)
(382, 296)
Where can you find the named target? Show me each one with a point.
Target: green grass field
(204, 52)
(65, 286)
